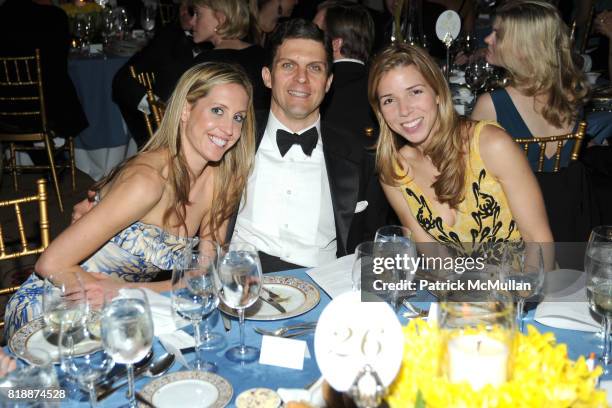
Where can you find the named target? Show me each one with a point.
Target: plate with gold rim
(295, 296)
(188, 389)
(30, 338)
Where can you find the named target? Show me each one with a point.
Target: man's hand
(83, 207)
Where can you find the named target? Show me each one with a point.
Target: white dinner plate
(297, 297)
(30, 338)
(188, 389)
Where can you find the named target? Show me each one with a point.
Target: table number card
(281, 352)
(351, 334)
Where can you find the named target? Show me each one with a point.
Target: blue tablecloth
(93, 79)
(246, 376)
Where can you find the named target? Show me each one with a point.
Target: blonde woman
(186, 181)
(224, 24)
(266, 15)
(448, 179)
(546, 90)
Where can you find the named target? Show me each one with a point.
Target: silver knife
(227, 323)
(273, 303)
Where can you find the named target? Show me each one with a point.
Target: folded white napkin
(335, 277)
(566, 315)
(566, 305)
(313, 395)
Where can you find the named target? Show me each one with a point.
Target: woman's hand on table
(104, 285)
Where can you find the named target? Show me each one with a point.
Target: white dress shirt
(288, 211)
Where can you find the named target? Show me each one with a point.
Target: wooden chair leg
(70, 141)
(53, 171)
(14, 166)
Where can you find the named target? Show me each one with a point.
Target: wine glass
(63, 302)
(522, 268)
(147, 18)
(476, 77)
(210, 339)
(194, 297)
(598, 267)
(85, 368)
(363, 264)
(127, 331)
(238, 282)
(395, 240)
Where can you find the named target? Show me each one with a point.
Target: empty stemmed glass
(598, 267)
(476, 76)
(194, 296)
(522, 267)
(127, 331)
(87, 368)
(238, 282)
(147, 18)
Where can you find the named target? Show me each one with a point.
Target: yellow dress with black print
(483, 217)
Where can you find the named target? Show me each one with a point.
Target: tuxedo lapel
(342, 162)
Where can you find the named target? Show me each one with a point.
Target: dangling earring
(280, 8)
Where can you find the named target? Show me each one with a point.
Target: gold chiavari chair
(26, 248)
(542, 142)
(23, 118)
(157, 107)
(168, 12)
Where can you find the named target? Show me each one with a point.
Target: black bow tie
(308, 140)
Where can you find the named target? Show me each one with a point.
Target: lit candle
(80, 3)
(477, 359)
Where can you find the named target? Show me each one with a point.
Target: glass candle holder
(478, 339)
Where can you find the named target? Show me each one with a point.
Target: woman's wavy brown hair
(446, 147)
(232, 170)
(533, 44)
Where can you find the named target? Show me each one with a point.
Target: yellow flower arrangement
(542, 376)
(84, 8)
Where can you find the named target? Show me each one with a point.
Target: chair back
(542, 142)
(25, 248)
(22, 101)
(157, 107)
(168, 12)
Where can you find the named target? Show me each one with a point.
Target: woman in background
(546, 91)
(186, 181)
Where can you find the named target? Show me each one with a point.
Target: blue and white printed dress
(136, 254)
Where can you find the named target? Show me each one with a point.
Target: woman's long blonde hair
(533, 44)
(232, 170)
(446, 147)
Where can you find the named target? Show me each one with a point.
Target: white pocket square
(361, 205)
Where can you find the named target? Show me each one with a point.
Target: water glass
(598, 267)
(147, 18)
(522, 267)
(127, 331)
(63, 302)
(238, 281)
(194, 296)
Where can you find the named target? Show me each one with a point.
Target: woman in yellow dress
(449, 179)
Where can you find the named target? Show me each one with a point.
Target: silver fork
(288, 331)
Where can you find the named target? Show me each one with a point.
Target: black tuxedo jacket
(25, 26)
(346, 104)
(168, 47)
(350, 169)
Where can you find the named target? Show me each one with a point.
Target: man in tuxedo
(306, 198)
(172, 44)
(25, 26)
(351, 30)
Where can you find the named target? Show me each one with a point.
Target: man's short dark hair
(353, 23)
(298, 29)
